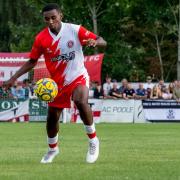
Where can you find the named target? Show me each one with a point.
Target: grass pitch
(127, 152)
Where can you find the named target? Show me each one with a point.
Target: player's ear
(61, 15)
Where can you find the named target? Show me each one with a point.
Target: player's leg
(52, 127)
(80, 98)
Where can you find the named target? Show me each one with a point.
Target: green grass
(128, 152)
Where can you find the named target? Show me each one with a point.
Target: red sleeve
(84, 34)
(36, 50)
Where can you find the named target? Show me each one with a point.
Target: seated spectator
(18, 92)
(176, 91)
(155, 93)
(165, 94)
(175, 82)
(1, 91)
(148, 84)
(5, 93)
(129, 92)
(123, 86)
(98, 91)
(141, 92)
(171, 87)
(91, 89)
(32, 86)
(148, 90)
(161, 84)
(114, 92)
(107, 86)
(27, 89)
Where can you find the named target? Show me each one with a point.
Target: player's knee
(80, 103)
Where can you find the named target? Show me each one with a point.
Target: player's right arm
(24, 69)
(30, 64)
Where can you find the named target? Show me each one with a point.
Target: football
(46, 89)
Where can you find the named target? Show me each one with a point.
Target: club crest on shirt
(87, 33)
(70, 44)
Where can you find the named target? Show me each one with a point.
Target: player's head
(52, 16)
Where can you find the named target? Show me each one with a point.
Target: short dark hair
(51, 6)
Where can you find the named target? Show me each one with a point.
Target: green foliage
(129, 27)
(22, 38)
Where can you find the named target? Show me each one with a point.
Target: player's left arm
(98, 42)
(90, 39)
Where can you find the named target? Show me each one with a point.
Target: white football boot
(50, 155)
(93, 151)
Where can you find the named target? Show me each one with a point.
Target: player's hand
(9, 83)
(90, 42)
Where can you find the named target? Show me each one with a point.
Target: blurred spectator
(165, 94)
(155, 93)
(148, 84)
(161, 84)
(5, 93)
(18, 92)
(171, 87)
(91, 89)
(176, 91)
(32, 85)
(114, 92)
(175, 83)
(107, 86)
(27, 88)
(129, 92)
(141, 92)
(148, 90)
(98, 91)
(123, 86)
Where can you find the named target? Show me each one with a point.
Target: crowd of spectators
(111, 89)
(20, 90)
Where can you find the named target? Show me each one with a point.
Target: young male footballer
(61, 44)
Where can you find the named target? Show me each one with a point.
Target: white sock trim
(53, 140)
(90, 129)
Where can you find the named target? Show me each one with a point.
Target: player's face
(53, 20)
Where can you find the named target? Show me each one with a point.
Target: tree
(175, 29)
(152, 19)
(142, 35)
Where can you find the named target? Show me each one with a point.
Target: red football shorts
(63, 99)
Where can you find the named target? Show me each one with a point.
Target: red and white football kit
(64, 59)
